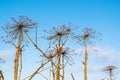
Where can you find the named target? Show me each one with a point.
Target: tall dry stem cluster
(15, 35)
(56, 54)
(58, 36)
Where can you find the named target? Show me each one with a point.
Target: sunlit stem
(16, 61)
(53, 74)
(110, 74)
(20, 66)
(58, 59)
(85, 59)
(63, 69)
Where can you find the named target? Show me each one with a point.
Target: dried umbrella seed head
(109, 68)
(110, 71)
(51, 54)
(20, 26)
(67, 53)
(89, 34)
(58, 31)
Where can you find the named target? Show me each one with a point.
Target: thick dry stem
(85, 60)
(58, 67)
(17, 60)
(18, 52)
(85, 68)
(20, 66)
(58, 59)
(63, 69)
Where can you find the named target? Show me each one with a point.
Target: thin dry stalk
(42, 65)
(63, 69)
(58, 59)
(52, 69)
(40, 49)
(16, 62)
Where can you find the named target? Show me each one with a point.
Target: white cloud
(104, 56)
(78, 50)
(103, 52)
(93, 69)
(6, 54)
(107, 53)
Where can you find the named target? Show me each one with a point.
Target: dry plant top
(18, 27)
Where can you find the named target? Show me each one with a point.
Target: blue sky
(101, 15)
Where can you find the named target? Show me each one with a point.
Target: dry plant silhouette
(87, 39)
(57, 37)
(15, 33)
(66, 58)
(56, 55)
(110, 71)
(52, 55)
(43, 54)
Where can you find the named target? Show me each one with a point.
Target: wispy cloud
(101, 56)
(108, 54)
(6, 54)
(103, 52)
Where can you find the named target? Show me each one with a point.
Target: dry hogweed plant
(86, 39)
(58, 37)
(52, 55)
(66, 58)
(15, 34)
(110, 71)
